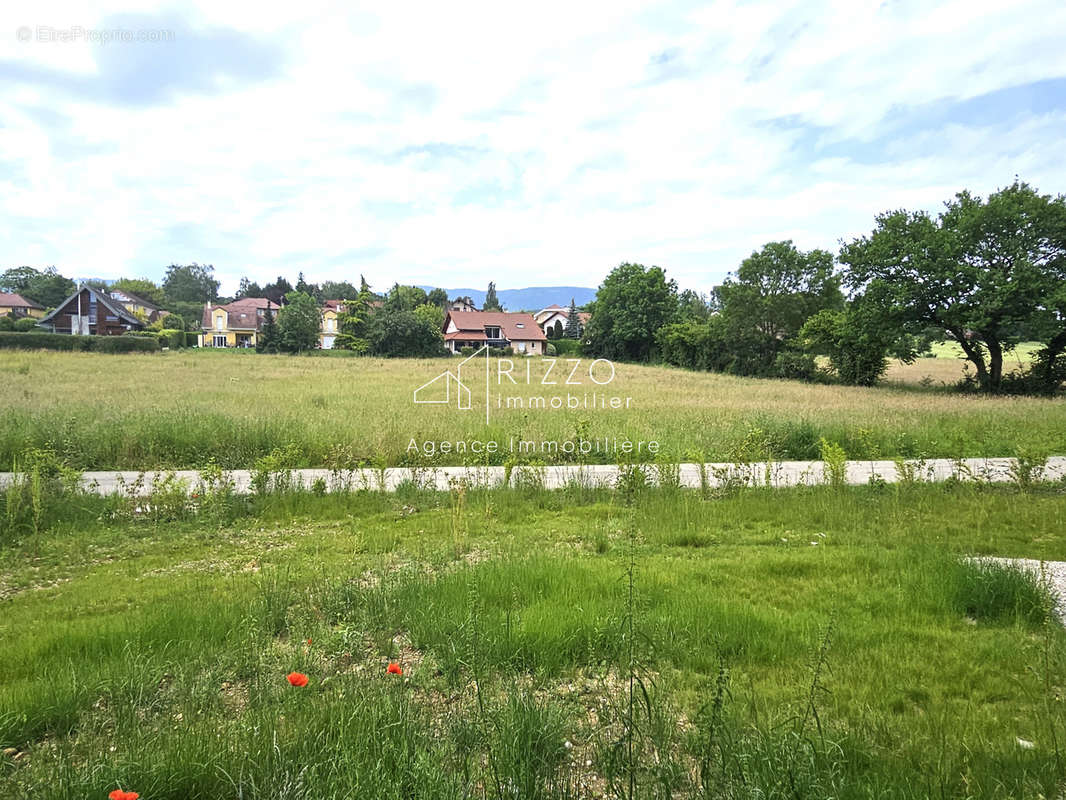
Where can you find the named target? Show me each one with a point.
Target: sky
(539, 144)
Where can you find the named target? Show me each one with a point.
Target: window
(492, 331)
(220, 341)
(520, 325)
(220, 322)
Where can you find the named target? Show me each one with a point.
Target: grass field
(183, 409)
(805, 643)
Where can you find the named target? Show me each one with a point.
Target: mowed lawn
(805, 643)
(184, 409)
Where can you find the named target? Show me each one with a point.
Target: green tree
(191, 283)
(339, 290)
(692, 306)
(573, 322)
(631, 304)
(277, 291)
(268, 340)
(46, 287)
(248, 288)
(142, 287)
(299, 323)
(985, 272)
(431, 313)
(438, 297)
(404, 334)
(857, 343)
(765, 304)
(405, 298)
(492, 303)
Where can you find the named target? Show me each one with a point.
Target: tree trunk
(995, 363)
(973, 355)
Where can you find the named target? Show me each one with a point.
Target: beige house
(18, 306)
(517, 330)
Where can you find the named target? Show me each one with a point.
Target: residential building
(462, 304)
(331, 311)
(495, 328)
(16, 305)
(91, 312)
(236, 324)
(553, 319)
(137, 305)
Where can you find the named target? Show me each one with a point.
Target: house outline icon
(462, 392)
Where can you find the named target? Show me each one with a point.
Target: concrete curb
(692, 476)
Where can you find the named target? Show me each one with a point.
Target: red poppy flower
(394, 669)
(297, 678)
(118, 794)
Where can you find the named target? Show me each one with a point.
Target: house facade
(16, 305)
(329, 331)
(235, 324)
(517, 330)
(91, 312)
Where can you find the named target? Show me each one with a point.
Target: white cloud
(456, 144)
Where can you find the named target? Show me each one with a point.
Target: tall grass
(359, 412)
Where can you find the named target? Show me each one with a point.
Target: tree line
(987, 274)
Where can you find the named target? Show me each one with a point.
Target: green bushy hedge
(567, 347)
(192, 339)
(96, 344)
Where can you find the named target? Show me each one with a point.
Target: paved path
(777, 473)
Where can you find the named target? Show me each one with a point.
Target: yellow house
(329, 330)
(235, 324)
(18, 306)
(138, 306)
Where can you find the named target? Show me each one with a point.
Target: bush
(172, 322)
(567, 347)
(59, 341)
(174, 339)
(25, 324)
(550, 350)
(466, 351)
(192, 338)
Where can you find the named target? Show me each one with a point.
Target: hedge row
(96, 344)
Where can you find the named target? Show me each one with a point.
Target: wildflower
(308, 642)
(394, 669)
(118, 794)
(297, 678)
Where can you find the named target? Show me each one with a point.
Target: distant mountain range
(532, 298)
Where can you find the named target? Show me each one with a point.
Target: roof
(109, 303)
(513, 325)
(12, 300)
(241, 314)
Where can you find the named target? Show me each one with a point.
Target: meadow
(185, 409)
(657, 643)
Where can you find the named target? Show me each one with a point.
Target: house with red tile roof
(517, 330)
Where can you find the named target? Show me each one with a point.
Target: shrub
(566, 347)
(25, 324)
(174, 339)
(550, 349)
(59, 341)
